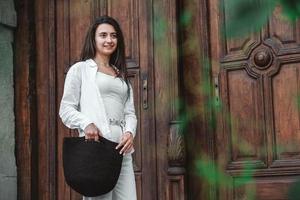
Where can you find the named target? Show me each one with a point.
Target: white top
(114, 94)
(82, 102)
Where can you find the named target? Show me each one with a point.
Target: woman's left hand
(126, 142)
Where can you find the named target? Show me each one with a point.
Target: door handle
(145, 92)
(217, 90)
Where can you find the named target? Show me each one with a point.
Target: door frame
(196, 71)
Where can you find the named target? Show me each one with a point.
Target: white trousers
(125, 188)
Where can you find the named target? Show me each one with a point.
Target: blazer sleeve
(129, 112)
(69, 106)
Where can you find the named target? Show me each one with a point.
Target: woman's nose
(109, 39)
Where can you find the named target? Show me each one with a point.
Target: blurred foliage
(185, 18)
(207, 169)
(247, 16)
(291, 9)
(294, 191)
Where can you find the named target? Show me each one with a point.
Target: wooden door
(258, 136)
(255, 79)
(73, 19)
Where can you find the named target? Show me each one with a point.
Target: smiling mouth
(109, 47)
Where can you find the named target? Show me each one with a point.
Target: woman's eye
(103, 35)
(114, 36)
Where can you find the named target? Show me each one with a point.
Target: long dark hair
(118, 57)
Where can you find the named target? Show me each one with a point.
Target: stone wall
(8, 170)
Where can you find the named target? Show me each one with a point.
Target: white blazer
(82, 103)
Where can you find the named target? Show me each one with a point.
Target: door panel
(263, 188)
(242, 93)
(286, 112)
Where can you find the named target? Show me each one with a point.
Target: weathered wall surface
(8, 170)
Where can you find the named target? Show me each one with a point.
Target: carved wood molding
(176, 146)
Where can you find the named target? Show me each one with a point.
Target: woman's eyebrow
(114, 32)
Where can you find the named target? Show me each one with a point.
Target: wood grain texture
(286, 112)
(264, 188)
(175, 187)
(46, 102)
(25, 99)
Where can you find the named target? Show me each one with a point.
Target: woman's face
(105, 39)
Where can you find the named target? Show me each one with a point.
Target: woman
(98, 99)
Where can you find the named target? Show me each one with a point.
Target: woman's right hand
(92, 132)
